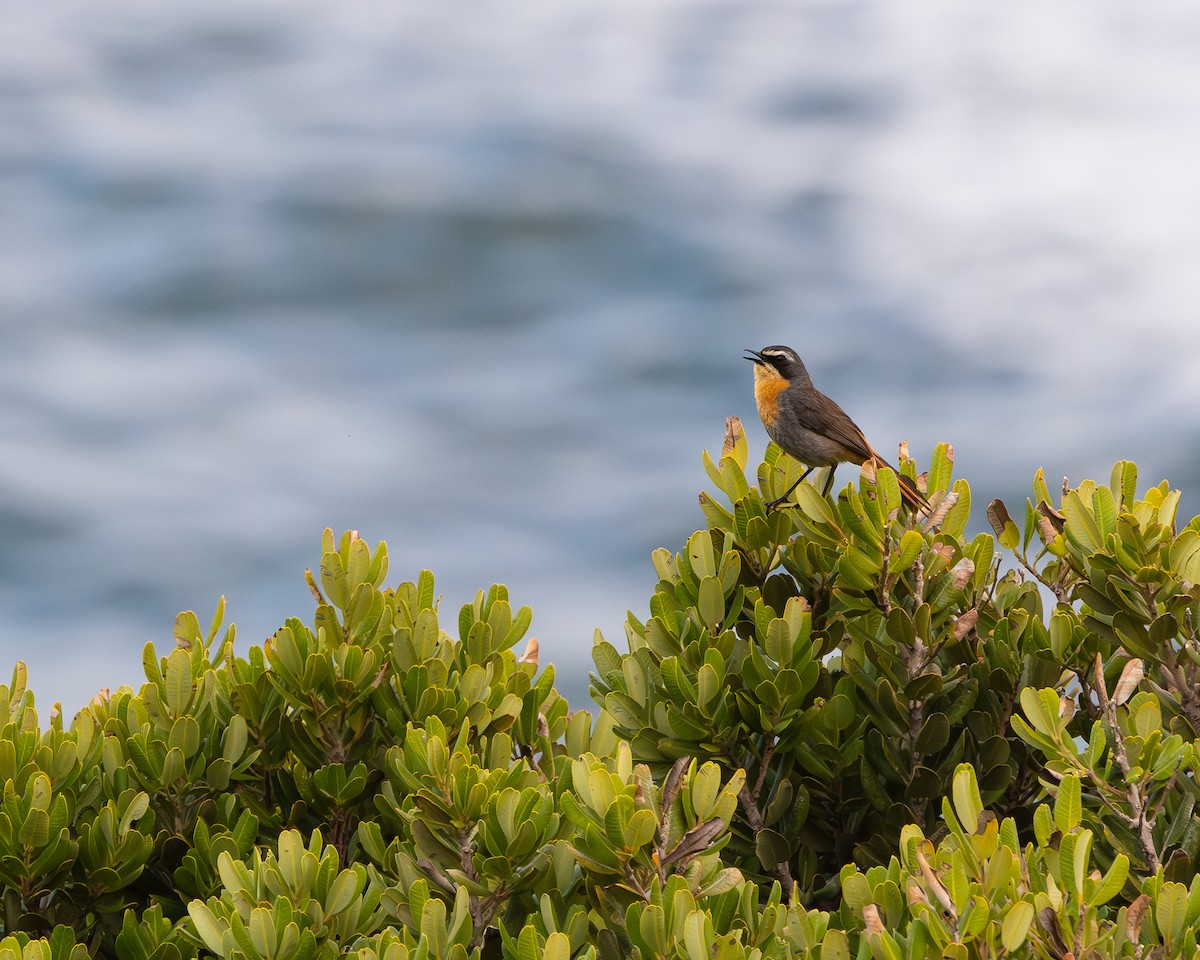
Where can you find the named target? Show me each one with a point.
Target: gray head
(783, 360)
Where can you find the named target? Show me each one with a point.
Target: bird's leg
(829, 480)
(778, 500)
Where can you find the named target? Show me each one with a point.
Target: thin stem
(749, 798)
(1139, 819)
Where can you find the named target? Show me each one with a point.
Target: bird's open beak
(755, 356)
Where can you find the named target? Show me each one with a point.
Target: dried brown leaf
(1048, 920)
(1131, 676)
(670, 787)
(962, 572)
(943, 507)
(935, 885)
(1134, 916)
(1055, 518)
(695, 841)
(998, 516)
(1098, 680)
(965, 624)
(733, 435)
(871, 919)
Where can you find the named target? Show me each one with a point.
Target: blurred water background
(476, 279)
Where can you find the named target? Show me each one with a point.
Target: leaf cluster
(367, 784)
(840, 729)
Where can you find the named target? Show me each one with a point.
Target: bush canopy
(837, 729)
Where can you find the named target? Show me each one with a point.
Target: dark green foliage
(840, 730)
(846, 656)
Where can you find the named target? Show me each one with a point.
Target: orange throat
(768, 385)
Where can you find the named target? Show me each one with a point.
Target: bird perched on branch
(810, 427)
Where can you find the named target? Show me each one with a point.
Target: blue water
(477, 280)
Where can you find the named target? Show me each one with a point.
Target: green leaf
(934, 736)
(187, 629)
(342, 892)
(604, 656)
(1166, 510)
(941, 467)
(185, 734)
(708, 686)
(1170, 912)
(815, 506)
(714, 473)
(710, 603)
(1124, 482)
(1041, 707)
(974, 918)
(835, 945)
(1043, 824)
(907, 552)
(1068, 805)
(135, 810)
(334, 580)
(771, 848)
(425, 588)
(704, 788)
(358, 563)
(35, 829)
(1104, 507)
(888, 947)
(235, 739)
(1081, 527)
(696, 938)
(1111, 883)
(967, 803)
(700, 554)
(856, 891)
(1074, 851)
(1040, 491)
(177, 688)
(207, 926)
(1016, 925)
(150, 665)
(558, 947)
(955, 521)
(1185, 556)
(888, 488)
(527, 944)
(778, 642)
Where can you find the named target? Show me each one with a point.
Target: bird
(809, 426)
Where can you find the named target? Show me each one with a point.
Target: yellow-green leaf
(177, 689)
(1068, 805)
(1111, 883)
(558, 947)
(1170, 911)
(967, 803)
(1016, 925)
(835, 946)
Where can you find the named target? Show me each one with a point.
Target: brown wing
(819, 414)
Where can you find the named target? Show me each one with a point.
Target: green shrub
(847, 656)
(841, 729)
